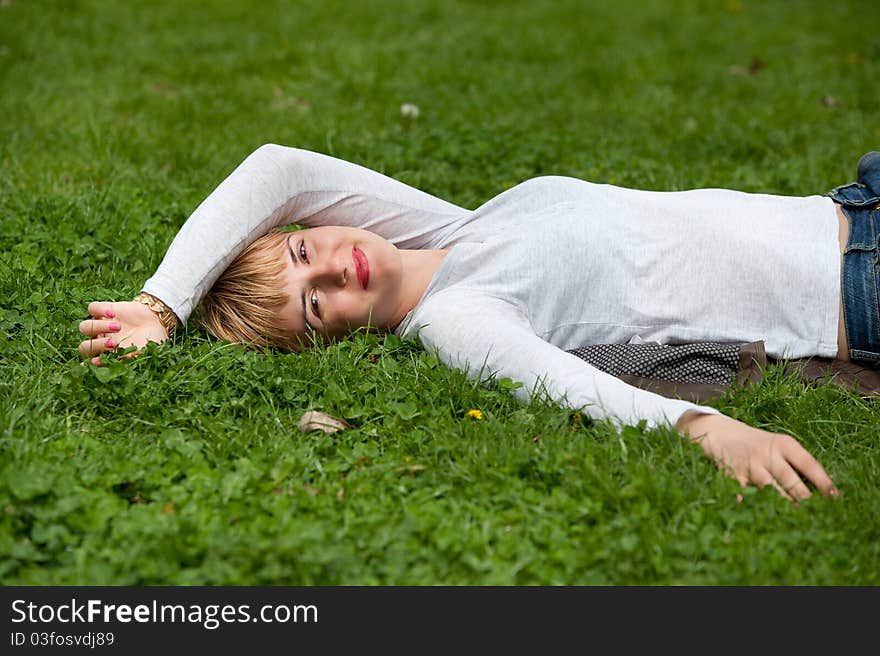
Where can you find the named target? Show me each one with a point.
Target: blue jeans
(860, 282)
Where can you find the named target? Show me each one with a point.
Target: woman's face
(338, 280)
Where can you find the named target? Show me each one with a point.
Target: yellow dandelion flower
(474, 414)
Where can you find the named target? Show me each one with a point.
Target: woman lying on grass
(552, 264)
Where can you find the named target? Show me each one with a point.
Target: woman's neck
(419, 266)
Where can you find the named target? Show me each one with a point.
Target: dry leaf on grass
(314, 420)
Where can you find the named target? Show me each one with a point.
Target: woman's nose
(331, 271)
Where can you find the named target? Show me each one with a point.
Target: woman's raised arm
(275, 185)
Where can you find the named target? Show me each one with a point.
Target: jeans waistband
(855, 196)
(860, 284)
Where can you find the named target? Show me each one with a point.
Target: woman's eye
(315, 304)
(302, 251)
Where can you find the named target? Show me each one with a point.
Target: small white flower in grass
(408, 110)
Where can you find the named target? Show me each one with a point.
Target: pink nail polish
(109, 343)
(96, 362)
(110, 314)
(114, 326)
(834, 492)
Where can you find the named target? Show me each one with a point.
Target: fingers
(784, 478)
(97, 361)
(807, 465)
(92, 347)
(104, 333)
(767, 459)
(763, 478)
(100, 309)
(787, 462)
(95, 327)
(794, 487)
(99, 330)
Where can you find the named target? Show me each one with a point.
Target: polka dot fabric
(703, 362)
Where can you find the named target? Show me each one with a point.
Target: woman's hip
(860, 276)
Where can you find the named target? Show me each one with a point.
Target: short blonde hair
(244, 304)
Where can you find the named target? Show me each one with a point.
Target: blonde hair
(243, 305)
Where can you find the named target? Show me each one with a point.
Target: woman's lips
(361, 265)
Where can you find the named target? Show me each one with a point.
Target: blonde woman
(551, 264)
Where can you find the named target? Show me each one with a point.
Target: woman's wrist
(692, 421)
(165, 315)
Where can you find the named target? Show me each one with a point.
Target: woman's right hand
(119, 325)
(755, 456)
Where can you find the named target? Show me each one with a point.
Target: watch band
(165, 314)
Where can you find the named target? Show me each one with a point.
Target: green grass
(185, 466)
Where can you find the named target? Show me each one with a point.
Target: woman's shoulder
(538, 193)
(456, 306)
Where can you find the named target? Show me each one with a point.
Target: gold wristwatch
(166, 316)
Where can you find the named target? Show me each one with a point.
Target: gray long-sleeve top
(551, 264)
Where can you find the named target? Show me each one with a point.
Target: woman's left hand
(759, 457)
(119, 325)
